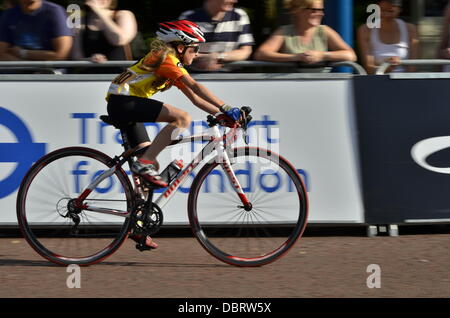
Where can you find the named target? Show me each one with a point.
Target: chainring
(148, 219)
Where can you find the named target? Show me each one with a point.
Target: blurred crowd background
(266, 16)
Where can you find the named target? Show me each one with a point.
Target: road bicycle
(77, 205)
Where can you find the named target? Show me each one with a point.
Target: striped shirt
(226, 35)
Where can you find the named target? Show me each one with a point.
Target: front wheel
(235, 234)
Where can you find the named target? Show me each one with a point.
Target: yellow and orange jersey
(143, 80)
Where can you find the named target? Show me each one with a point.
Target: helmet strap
(181, 55)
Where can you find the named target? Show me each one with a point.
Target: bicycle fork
(226, 165)
(224, 160)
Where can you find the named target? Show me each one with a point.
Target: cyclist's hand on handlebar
(225, 120)
(233, 117)
(233, 112)
(229, 116)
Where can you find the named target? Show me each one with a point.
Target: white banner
(307, 122)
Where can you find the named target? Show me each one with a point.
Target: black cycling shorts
(137, 110)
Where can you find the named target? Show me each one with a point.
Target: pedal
(142, 248)
(140, 244)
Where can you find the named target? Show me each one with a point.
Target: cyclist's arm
(201, 91)
(200, 102)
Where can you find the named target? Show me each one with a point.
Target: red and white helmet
(180, 31)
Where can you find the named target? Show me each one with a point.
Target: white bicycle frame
(217, 142)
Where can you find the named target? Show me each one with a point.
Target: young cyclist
(130, 95)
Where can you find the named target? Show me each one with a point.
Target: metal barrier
(383, 67)
(63, 64)
(262, 64)
(52, 65)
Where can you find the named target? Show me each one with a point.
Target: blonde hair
(292, 5)
(158, 53)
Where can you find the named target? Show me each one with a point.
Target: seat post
(125, 142)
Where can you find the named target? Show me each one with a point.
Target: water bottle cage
(170, 173)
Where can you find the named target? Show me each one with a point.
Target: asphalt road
(410, 265)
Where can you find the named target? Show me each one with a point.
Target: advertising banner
(292, 117)
(404, 140)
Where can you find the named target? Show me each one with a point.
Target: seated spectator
(306, 40)
(227, 32)
(396, 40)
(105, 33)
(444, 48)
(34, 30)
(7, 4)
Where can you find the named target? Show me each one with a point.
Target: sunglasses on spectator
(316, 10)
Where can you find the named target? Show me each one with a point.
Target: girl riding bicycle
(129, 96)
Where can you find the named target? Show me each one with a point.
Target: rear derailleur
(68, 208)
(147, 220)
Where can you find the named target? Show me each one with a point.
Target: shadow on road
(184, 265)
(24, 262)
(43, 263)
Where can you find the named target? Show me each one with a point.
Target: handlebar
(243, 122)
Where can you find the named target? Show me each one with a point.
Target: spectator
(8, 4)
(105, 33)
(444, 48)
(396, 40)
(306, 40)
(227, 32)
(34, 30)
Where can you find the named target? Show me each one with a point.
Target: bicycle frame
(217, 142)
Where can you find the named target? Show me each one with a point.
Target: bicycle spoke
(59, 230)
(64, 186)
(264, 233)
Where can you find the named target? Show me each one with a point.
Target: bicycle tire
(50, 236)
(217, 237)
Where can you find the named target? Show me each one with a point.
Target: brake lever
(246, 110)
(244, 126)
(212, 121)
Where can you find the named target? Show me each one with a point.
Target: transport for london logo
(24, 152)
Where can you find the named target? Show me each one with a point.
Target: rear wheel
(249, 236)
(48, 215)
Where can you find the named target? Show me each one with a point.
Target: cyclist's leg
(138, 137)
(136, 110)
(178, 120)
